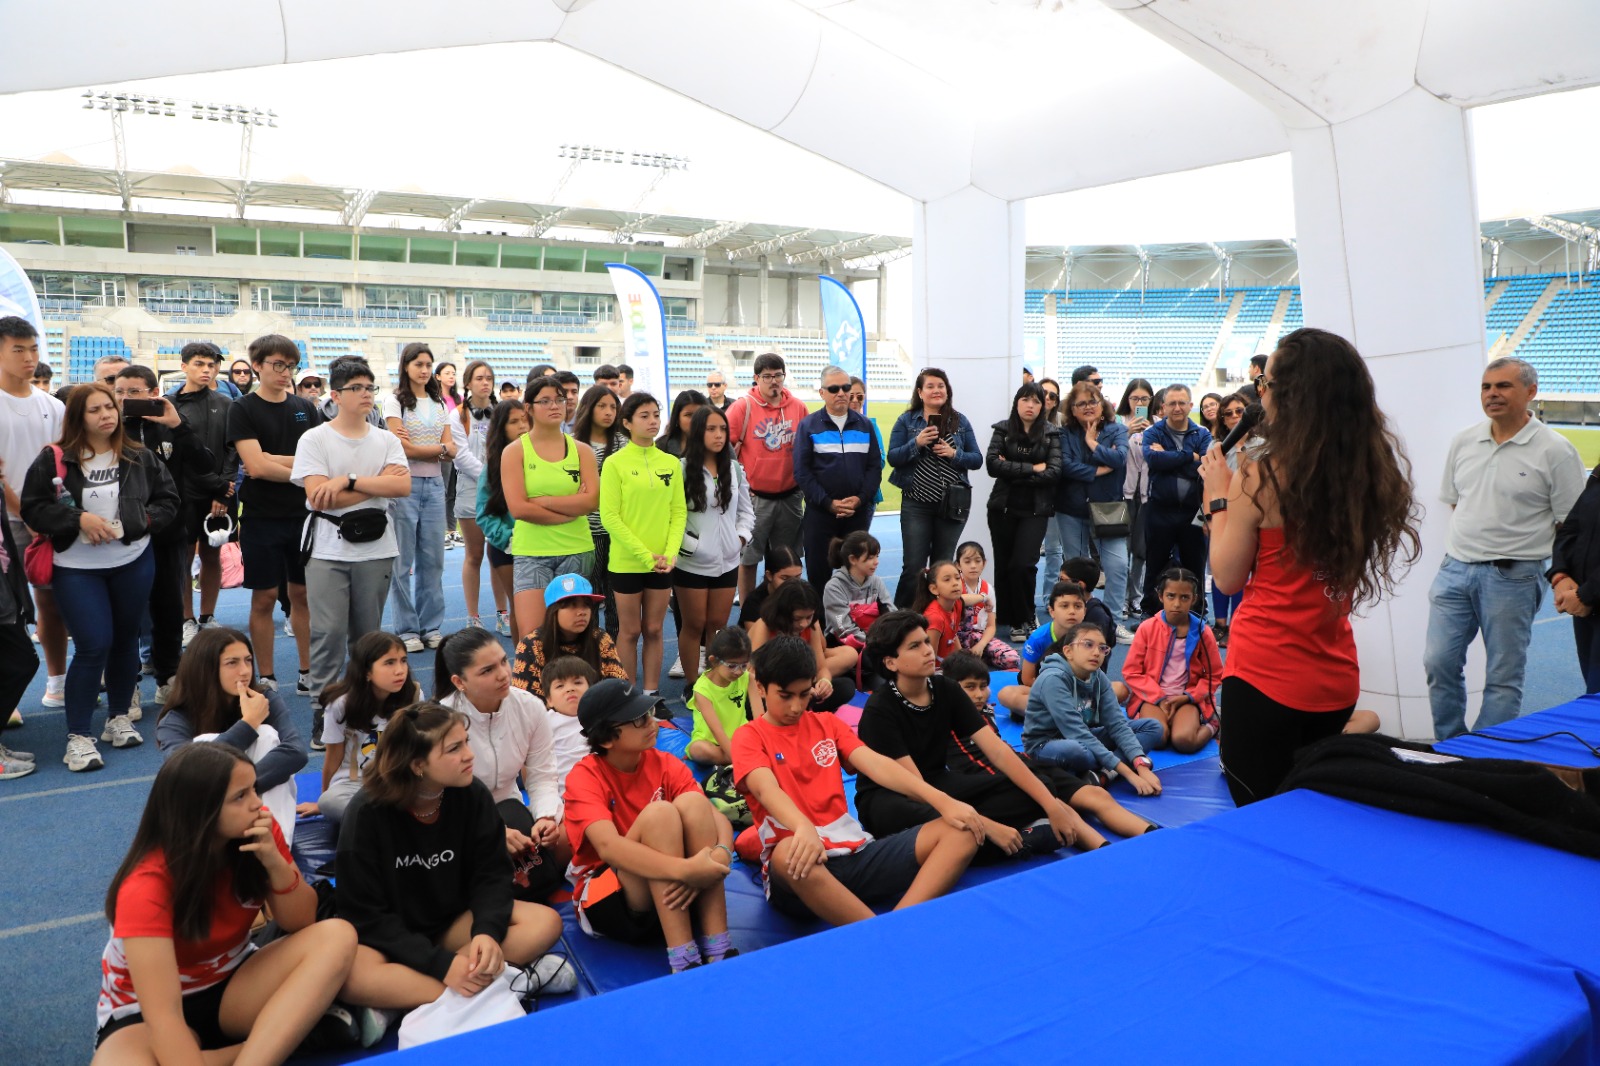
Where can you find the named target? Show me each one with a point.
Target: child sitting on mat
(972, 674)
(721, 698)
(913, 721)
(1082, 570)
(570, 627)
(377, 683)
(565, 680)
(938, 601)
(855, 594)
(976, 631)
(1068, 601)
(816, 857)
(1173, 667)
(649, 852)
(1075, 722)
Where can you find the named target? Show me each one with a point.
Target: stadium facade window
(236, 240)
(521, 256)
(401, 297)
(471, 302)
(477, 254)
(89, 287)
(194, 296)
(290, 296)
(679, 310)
(19, 228)
(595, 260)
(283, 242)
(84, 232)
(323, 245)
(646, 262)
(592, 307)
(679, 268)
(432, 250)
(566, 259)
(379, 249)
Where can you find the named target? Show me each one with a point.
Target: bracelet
(292, 885)
(724, 847)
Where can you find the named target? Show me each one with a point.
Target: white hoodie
(712, 538)
(514, 740)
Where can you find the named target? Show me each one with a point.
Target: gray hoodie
(1061, 706)
(841, 593)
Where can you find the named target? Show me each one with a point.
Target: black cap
(614, 700)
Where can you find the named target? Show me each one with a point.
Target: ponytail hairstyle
(454, 657)
(852, 546)
(694, 461)
(494, 444)
(180, 821)
(408, 355)
(779, 557)
(464, 410)
(410, 737)
(1178, 573)
(362, 707)
(729, 643)
(925, 579)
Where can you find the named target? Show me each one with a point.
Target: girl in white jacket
(720, 522)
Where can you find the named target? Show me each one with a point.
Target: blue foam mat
(1581, 717)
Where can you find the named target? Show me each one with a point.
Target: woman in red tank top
(1317, 521)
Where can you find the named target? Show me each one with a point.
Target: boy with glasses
(346, 466)
(265, 427)
(204, 409)
(761, 429)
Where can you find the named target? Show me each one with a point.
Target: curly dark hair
(1340, 474)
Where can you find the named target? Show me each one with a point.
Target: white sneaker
(191, 628)
(288, 627)
(119, 733)
(412, 642)
(502, 623)
(433, 639)
(55, 692)
(267, 684)
(550, 975)
(1125, 635)
(302, 684)
(82, 754)
(676, 669)
(162, 692)
(136, 708)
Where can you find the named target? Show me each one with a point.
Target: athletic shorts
(605, 909)
(498, 558)
(879, 872)
(634, 584)
(531, 573)
(270, 551)
(202, 1012)
(777, 522)
(685, 580)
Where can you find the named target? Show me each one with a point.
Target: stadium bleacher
(511, 357)
(84, 350)
(1564, 345)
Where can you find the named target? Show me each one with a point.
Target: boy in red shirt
(817, 858)
(649, 852)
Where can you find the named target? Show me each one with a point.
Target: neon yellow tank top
(541, 478)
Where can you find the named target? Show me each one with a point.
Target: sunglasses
(1262, 384)
(834, 390)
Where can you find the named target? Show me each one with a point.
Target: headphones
(218, 537)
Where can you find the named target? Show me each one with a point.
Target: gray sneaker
(412, 642)
(13, 755)
(136, 708)
(119, 733)
(82, 754)
(12, 767)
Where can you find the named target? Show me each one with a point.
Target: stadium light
(588, 153)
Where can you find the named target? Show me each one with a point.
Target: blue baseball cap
(568, 587)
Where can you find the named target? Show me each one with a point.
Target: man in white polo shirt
(1510, 481)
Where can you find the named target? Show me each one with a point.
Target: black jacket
(194, 470)
(1010, 464)
(206, 413)
(148, 501)
(16, 606)
(1577, 548)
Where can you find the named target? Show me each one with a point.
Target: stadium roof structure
(728, 240)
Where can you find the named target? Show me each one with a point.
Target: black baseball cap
(614, 701)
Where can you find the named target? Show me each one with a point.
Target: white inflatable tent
(970, 107)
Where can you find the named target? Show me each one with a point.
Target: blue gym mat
(1581, 716)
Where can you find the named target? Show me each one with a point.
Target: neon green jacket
(642, 507)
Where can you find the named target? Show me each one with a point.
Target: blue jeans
(419, 531)
(1050, 573)
(926, 536)
(1465, 598)
(103, 610)
(1076, 533)
(1073, 756)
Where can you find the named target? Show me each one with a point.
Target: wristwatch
(351, 484)
(1218, 504)
(1142, 763)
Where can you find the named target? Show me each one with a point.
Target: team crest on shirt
(666, 477)
(659, 795)
(572, 472)
(826, 753)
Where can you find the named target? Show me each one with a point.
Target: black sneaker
(302, 684)
(336, 1030)
(1039, 839)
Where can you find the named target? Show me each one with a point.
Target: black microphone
(1247, 421)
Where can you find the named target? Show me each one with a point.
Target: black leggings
(1017, 539)
(1260, 737)
(885, 812)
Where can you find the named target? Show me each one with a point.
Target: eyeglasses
(1086, 405)
(736, 668)
(641, 722)
(716, 384)
(1262, 384)
(772, 377)
(368, 389)
(131, 394)
(277, 366)
(549, 402)
(834, 390)
(1092, 645)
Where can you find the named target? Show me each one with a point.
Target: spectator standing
(838, 468)
(1575, 577)
(624, 381)
(417, 415)
(1172, 450)
(204, 407)
(1094, 461)
(1024, 458)
(673, 440)
(717, 391)
(931, 449)
(718, 520)
(763, 425)
(606, 374)
(1509, 481)
(1138, 400)
(265, 427)
(242, 376)
(472, 419)
(598, 426)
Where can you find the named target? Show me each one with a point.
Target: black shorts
(194, 517)
(685, 580)
(202, 1012)
(611, 917)
(270, 551)
(879, 872)
(634, 584)
(497, 558)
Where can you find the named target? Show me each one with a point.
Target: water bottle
(63, 497)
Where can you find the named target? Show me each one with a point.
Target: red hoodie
(765, 443)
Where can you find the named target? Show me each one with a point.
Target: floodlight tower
(117, 104)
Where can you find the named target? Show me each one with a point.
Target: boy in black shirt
(265, 427)
(913, 719)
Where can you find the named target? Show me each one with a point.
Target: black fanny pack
(360, 526)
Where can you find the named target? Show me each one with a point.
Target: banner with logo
(846, 329)
(16, 293)
(644, 331)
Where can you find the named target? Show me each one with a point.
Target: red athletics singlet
(1288, 639)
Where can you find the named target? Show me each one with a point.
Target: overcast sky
(400, 121)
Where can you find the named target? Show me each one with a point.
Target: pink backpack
(232, 565)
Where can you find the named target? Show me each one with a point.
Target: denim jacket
(904, 449)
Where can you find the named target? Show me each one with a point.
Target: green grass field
(1587, 441)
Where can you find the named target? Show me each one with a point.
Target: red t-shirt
(807, 759)
(598, 792)
(144, 909)
(948, 623)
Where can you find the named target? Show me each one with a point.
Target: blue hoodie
(1063, 707)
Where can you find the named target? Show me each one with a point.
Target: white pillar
(968, 255)
(1374, 197)
(734, 315)
(762, 300)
